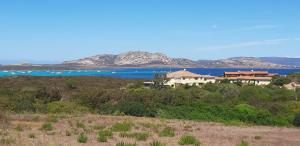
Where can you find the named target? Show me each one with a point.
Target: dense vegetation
(223, 102)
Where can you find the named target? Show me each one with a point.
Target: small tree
(296, 121)
(159, 80)
(225, 81)
(71, 84)
(280, 81)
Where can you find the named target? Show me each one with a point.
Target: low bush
(167, 132)
(136, 109)
(65, 107)
(122, 127)
(71, 84)
(47, 127)
(294, 106)
(103, 135)
(243, 143)
(296, 121)
(82, 138)
(141, 136)
(188, 140)
(125, 144)
(156, 143)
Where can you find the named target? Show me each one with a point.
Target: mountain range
(147, 59)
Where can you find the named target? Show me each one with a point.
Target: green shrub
(211, 87)
(71, 84)
(229, 90)
(47, 127)
(156, 143)
(243, 143)
(167, 132)
(188, 140)
(103, 135)
(65, 107)
(122, 127)
(21, 102)
(280, 81)
(255, 95)
(124, 144)
(134, 108)
(141, 136)
(247, 113)
(296, 121)
(82, 138)
(294, 106)
(49, 94)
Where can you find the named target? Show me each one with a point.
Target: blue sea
(146, 73)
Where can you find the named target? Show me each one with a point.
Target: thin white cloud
(251, 44)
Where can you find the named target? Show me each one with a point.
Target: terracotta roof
(183, 73)
(250, 78)
(247, 72)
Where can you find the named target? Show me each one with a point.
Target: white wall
(189, 81)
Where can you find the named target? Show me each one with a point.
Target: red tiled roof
(250, 78)
(246, 72)
(183, 73)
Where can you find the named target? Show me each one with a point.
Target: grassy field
(64, 111)
(63, 130)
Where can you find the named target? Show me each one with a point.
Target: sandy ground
(208, 133)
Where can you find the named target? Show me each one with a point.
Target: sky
(52, 31)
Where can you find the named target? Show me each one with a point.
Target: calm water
(146, 73)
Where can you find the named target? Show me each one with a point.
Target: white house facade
(187, 78)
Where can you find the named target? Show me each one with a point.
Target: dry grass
(67, 129)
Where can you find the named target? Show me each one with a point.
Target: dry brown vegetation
(30, 129)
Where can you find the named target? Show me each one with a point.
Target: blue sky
(56, 30)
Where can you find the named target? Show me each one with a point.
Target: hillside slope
(146, 59)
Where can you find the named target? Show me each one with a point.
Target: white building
(184, 77)
(247, 80)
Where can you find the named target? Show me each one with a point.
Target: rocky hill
(146, 59)
(133, 59)
(282, 60)
(243, 62)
